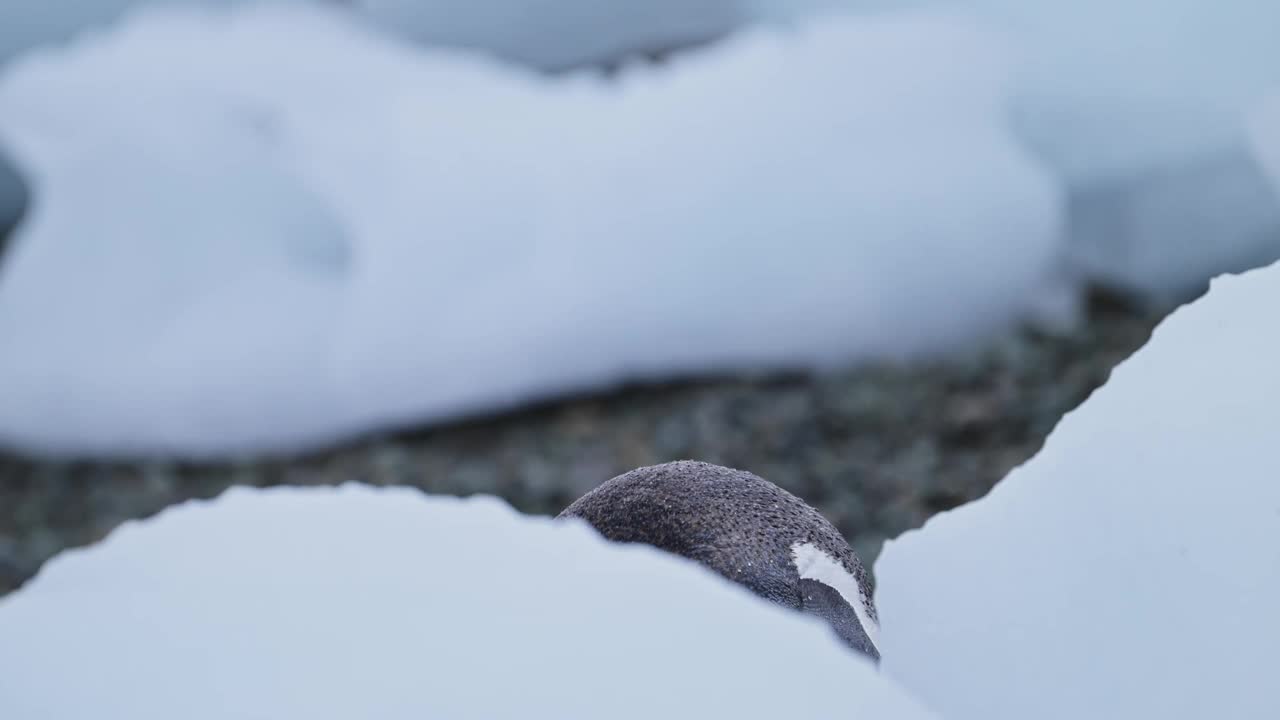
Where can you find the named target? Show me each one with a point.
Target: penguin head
(746, 529)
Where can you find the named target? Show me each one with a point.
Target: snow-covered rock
(357, 602)
(253, 249)
(1132, 568)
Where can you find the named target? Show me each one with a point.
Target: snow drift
(1132, 568)
(1266, 137)
(384, 603)
(253, 250)
(1139, 108)
(1136, 107)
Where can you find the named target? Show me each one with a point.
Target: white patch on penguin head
(815, 564)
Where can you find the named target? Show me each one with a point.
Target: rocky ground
(878, 449)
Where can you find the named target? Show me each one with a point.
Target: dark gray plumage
(744, 528)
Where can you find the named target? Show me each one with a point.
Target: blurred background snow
(290, 251)
(273, 249)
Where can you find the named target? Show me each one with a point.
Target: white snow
(1138, 108)
(1138, 83)
(1166, 230)
(283, 248)
(356, 602)
(1135, 108)
(1132, 568)
(1265, 129)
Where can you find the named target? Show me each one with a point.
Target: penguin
(748, 530)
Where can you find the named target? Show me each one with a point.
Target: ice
(251, 250)
(1131, 569)
(355, 602)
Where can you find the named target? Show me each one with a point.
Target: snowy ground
(1131, 569)
(384, 603)
(284, 250)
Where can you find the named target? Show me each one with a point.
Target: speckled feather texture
(738, 524)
